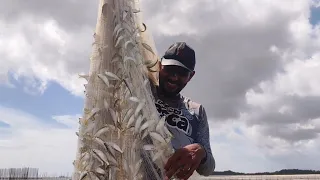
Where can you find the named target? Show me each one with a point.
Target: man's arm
(207, 165)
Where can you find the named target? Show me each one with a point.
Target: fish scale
(119, 135)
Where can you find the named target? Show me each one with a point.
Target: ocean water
(261, 177)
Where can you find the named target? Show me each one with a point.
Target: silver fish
(101, 155)
(112, 76)
(157, 137)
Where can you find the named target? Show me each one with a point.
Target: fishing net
(121, 135)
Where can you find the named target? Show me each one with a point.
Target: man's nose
(174, 77)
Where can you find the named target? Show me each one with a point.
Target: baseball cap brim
(173, 62)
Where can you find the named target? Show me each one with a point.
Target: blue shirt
(187, 121)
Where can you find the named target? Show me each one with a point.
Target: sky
(257, 75)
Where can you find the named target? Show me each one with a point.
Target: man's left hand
(184, 161)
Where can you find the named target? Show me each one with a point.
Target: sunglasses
(176, 70)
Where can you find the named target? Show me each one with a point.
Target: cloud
(68, 120)
(32, 142)
(235, 55)
(69, 14)
(257, 69)
(251, 151)
(292, 111)
(37, 51)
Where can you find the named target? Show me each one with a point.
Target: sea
(261, 177)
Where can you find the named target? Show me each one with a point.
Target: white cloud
(68, 120)
(251, 151)
(32, 142)
(238, 152)
(44, 52)
(316, 3)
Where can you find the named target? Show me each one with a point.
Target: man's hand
(184, 161)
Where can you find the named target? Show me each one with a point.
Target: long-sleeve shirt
(187, 121)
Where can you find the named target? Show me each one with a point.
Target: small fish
(145, 82)
(86, 77)
(95, 175)
(148, 48)
(144, 126)
(127, 58)
(153, 124)
(157, 155)
(115, 58)
(119, 134)
(104, 129)
(157, 137)
(117, 34)
(127, 43)
(124, 15)
(86, 166)
(135, 10)
(160, 125)
(145, 134)
(149, 147)
(118, 41)
(85, 156)
(112, 75)
(127, 85)
(167, 132)
(111, 158)
(138, 123)
(83, 175)
(126, 93)
(106, 104)
(139, 107)
(113, 116)
(127, 115)
(93, 112)
(89, 127)
(131, 120)
(137, 167)
(126, 166)
(101, 155)
(134, 99)
(104, 79)
(114, 146)
(134, 144)
(99, 141)
(116, 29)
(100, 171)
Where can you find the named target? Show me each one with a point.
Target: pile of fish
(121, 135)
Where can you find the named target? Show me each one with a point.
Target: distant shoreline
(281, 172)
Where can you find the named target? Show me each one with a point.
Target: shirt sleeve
(207, 165)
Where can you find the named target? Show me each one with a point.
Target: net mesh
(120, 134)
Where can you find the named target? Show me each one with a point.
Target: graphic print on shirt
(175, 118)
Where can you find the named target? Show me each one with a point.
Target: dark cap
(180, 54)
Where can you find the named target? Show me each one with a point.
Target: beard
(170, 88)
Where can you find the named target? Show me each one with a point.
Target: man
(185, 119)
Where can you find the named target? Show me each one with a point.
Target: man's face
(172, 79)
